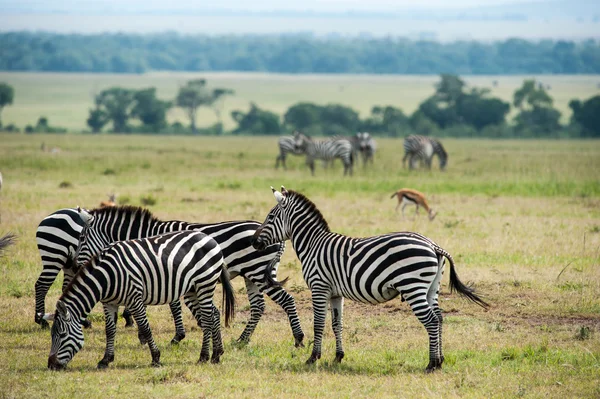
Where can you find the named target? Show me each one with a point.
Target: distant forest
(132, 53)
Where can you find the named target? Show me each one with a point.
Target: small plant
(65, 184)
(595, 229)
(583, 333)
(451, 224)
(297, 288)
(148, 200)
(109, 172)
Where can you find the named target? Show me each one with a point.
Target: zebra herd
(416, 149)
(338, 147)
(125, 256)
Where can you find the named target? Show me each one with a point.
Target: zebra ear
(85, 216)
(278, 196)
(284, 191)
(61, 310)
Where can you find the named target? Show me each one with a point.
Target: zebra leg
(426, 315)
(110, 315)
(288, 304)
(319, 301)
(138, 310)
(216, 336)
(406, 155)
(337, 311)
(257, 308)
(178, 320)
(202, 306)
(432, 299)
(128, 318)
(42, 285)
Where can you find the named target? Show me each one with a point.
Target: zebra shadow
(348, 367)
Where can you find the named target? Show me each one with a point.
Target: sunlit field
(521, 219)
(65, 98)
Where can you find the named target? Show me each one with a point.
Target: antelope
(409, 196)
(110, 202)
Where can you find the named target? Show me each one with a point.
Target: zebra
(423, 148)
(104, 226)
(367, 147)
(57, 237)
(369, 270)
(325, 150)
(286, 146)
(137, 273)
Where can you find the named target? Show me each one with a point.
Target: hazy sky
(255, 5)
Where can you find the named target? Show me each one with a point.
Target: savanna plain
(521, 218)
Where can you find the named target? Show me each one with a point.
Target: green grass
(66, 98)
(519, 217)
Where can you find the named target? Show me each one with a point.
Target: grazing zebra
(325, 150)
(106, 225)
(137, 273)
(423, 148)
(286, 146)
(57, 237)
(369, 270)
(6, 241)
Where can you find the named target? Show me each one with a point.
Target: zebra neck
(83, 293)
(307, 234)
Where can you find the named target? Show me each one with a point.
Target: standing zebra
(57, 237)
(369, 270)
(367, 147)
(325, 150)
(423, 148)
(106, 225)
(286, 146)
(137, 273)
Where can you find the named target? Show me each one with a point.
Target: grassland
(66, 98)
(522, 220)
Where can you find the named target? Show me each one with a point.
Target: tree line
(452, 110)
(301, 53)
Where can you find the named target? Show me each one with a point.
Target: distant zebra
(137, 273)
(369, 270)
(286, 146)
(325, 150)
(423, 148)
(106, 225)
(367, 147)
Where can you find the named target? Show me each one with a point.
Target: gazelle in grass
(408, 196)
(111, 201)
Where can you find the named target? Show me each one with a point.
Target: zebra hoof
(129, 323)
(86, 323)
(203, 358)
(339, 356)
(43, 324)
(177, 339)
(433, 365)
(313, 359)
(156, 363)
(298, 341)
(215, 359)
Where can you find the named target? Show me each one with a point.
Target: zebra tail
(228, 295)
(462, 289)
(6, 241)
(269, 279)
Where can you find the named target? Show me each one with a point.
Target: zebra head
(90, 243)
(275, 228)
(67, 337)
(300, 141)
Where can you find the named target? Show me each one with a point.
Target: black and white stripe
(423, 148)
(369, 270)
(113, 224)
(138, 273)
(57, 237)
(327, 150)
(366, 146)
(286, 146)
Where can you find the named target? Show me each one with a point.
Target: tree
(537, 116)
(302, 115)
(193, 96)
(218, 96)
(116, 103)
(151, 111)
(587, 116)
(256, 121)
(389, 120)
(98, 117)
(478, 111)
(7, 94)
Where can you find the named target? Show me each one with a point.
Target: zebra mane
(88, 265)
(311, 207)
(125, 210)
